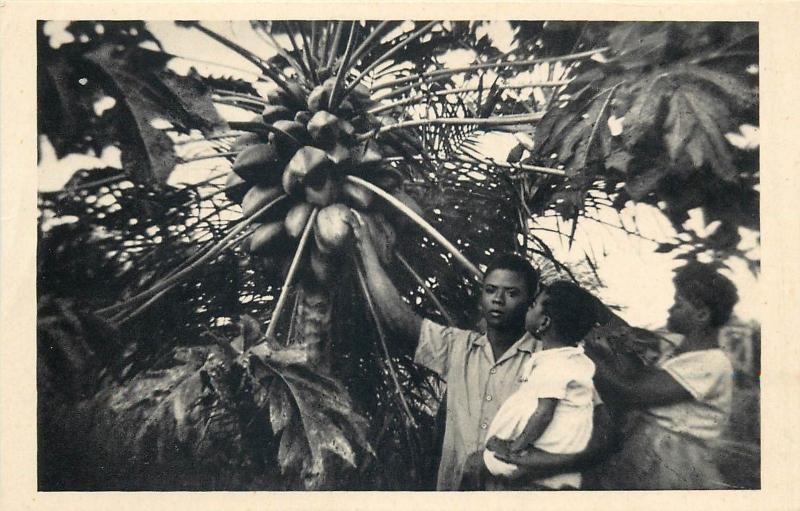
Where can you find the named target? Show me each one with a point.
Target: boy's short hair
(518, 264)
(572, 310)
(702, 283)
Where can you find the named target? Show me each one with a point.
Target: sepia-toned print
(398, 255)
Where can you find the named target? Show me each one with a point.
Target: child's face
(536, 318)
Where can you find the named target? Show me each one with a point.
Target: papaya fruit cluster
(302, 148)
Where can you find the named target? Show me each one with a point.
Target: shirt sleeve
(435, 345)
(702, 373)
(566, 378)
(551, 379)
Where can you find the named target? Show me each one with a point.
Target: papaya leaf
(293, 450)
(148, 93)
(280, 406)
(645, 110)
(321, 421)
(699, 125)
(638, 43)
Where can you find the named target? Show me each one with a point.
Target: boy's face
(504, 299)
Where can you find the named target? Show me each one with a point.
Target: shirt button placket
(485, 424)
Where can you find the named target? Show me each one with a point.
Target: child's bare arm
(538, 422)
(537, 463)
(536, 425)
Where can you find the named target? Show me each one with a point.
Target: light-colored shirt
(708, 376)
(477, 385)
(564, 374)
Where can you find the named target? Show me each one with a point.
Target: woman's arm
(654, 388)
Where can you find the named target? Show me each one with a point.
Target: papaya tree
(219, 334)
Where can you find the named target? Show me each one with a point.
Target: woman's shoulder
(704, 373)
(711, 358)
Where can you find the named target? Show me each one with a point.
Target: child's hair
(703, 284)
(572, 310)
(518, 264)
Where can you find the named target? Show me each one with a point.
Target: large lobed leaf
(316, 419)
(109, 62)
(653, 116)
(148, 92)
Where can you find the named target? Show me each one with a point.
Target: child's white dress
(560, 373)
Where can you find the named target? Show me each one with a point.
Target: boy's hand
(361, 234)
(522, 458)
(498, 446)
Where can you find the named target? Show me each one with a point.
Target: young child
(552, 410)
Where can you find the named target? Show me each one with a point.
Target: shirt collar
(526, 343)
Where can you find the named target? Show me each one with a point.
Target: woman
(685, 401)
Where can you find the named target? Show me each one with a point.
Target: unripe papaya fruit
(361, 91)
(258, 197)
(259, 163)
(294, 129)
(274, 113)
(332, 229)
(287, 145)
(345, 109)
(339, 153)
(296, 219)
(308, 165)
(294, 100)
(247, 139)
(265, 237)
(303, 116)
(318, 99)
(357, 195)
(236, 187)
(360, 97)
(367, 154)
(322, 194)
(321, 94)
(323, 128)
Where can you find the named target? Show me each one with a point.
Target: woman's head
(565, 309)
(703, 298)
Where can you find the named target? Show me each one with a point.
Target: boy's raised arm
(393, 309)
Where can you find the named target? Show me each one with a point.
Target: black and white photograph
(397, 255)
(375, 254)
